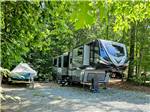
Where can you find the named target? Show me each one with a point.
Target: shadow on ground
(50, 97)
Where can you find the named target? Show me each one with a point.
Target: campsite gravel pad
(76, 99)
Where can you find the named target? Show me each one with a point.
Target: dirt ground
(50, 97)
(117, 83)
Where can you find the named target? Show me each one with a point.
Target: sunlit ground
(49, 97)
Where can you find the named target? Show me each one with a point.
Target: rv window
(55, 62)
(59, 62)
(80, 51)
(66, 61)
(96, 54)
(91, 53)
(70, 60)
(77, 57)
(103, 54)
(115, 50)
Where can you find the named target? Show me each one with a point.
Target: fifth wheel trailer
(95, 60)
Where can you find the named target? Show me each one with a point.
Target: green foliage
(41, 62)
(29, 26)
(83, 14)
(36, 31)
(16, 33)
(4, 72)
(141, 80)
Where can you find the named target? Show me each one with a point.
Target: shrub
(141, 80)
(4, 72)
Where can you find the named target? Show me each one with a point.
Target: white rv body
(97, 58)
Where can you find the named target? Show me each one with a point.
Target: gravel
(75, 99)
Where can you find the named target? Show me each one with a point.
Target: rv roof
(66, 53)
(111, 41)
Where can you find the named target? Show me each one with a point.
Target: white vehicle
(91, 61)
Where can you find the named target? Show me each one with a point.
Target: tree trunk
(136, 54)
(142, 45)
(140, 60)
(131, 54)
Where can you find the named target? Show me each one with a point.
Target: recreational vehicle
(95, 60)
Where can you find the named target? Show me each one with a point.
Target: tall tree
(131, 54)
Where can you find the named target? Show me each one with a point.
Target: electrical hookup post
(95, 88)
(95, 84)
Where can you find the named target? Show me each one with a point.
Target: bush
(141, 80)
(41, 61)
(44, 77)
(4, 72)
